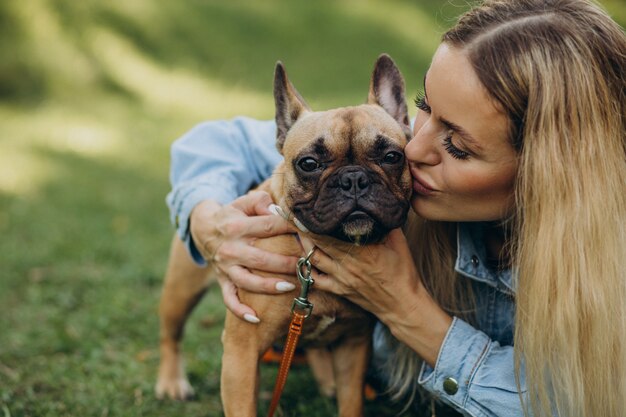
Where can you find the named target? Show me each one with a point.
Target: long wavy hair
(557, 68)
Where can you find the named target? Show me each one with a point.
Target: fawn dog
(344, 178)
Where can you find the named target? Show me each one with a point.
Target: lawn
(92, 94)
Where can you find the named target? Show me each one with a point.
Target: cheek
(477, 182)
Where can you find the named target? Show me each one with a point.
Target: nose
(354, 181)
(422, 148)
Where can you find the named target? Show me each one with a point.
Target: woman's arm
(218, 161)
(475, 374)
(211, 166)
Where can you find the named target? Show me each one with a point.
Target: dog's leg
(350, 363)
(243, 345)
(185, 283)
(321, 363)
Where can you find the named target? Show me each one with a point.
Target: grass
(91, 96)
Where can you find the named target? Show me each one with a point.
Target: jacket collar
(472, 255)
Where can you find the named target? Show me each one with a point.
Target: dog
(344, 178)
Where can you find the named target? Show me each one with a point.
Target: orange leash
(295, 328)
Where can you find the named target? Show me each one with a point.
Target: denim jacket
(474, 371)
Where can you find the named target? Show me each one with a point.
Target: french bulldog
(344, 179)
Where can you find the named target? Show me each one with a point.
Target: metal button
(474, 261)
(450, 386)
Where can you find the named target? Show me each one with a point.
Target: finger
(270, 262)
(327, 283)
(253, 203)
(266, 226)
(240, 253)
(243, 278)
(396, 239)
(319, 259)
(231, 301)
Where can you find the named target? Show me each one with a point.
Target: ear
(387, 91)
(290, 106)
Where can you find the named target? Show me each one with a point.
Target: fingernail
(284, 286)
(300, 225)
(250, 318)
(277, 210)
(273, 208)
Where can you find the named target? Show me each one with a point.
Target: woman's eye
(308, 164)
(420, 102)
(455, 152)
(392, 158)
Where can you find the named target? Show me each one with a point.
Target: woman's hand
(224, 236)
(380, 278)
(383, 280)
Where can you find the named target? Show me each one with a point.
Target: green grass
(91, 96)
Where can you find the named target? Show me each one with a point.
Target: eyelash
(420, 102)
(456, 153)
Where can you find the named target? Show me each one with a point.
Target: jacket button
(177, 221)
(450, 386)
(474, 261)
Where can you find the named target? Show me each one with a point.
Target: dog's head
(344, 173)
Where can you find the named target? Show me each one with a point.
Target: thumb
(397, 241)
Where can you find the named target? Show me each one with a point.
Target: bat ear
(290, 105)
(387, 91)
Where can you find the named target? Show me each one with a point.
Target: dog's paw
(174, 388)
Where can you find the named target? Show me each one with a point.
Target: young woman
(510, 283)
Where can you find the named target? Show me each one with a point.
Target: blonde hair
(557, 68)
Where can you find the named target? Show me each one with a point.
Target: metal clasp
(302, 302)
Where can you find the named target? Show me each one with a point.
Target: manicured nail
(277, 210)
(300, 225)
(284, 286)
(250, 318)
(273, 208)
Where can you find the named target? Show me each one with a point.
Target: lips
(421, 187)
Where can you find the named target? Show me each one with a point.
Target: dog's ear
(290, 105)
(387, 91)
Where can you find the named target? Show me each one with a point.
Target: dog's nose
(354, 181)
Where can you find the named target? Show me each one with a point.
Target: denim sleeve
(219, 161)
(483, 371)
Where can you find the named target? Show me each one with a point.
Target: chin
(422, 209)
(463, 212)
(361, 232)
(429, 211)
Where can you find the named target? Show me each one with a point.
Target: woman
(511, 284)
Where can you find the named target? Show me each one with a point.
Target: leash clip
(302, 302)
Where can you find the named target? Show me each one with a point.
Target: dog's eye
(308, 164)
(392, 158)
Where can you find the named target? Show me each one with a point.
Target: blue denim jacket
(474, 372)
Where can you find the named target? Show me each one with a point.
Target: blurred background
(92, 94)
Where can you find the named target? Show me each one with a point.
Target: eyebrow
(453, 126)
(462, 132)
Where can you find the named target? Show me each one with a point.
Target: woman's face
(462, 162)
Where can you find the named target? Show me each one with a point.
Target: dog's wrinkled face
(348, 176)
(344, 173)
